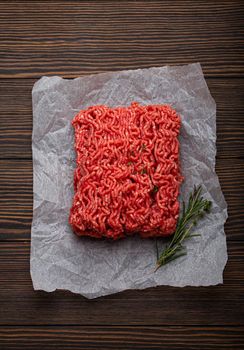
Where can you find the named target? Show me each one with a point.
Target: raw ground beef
(127, 176)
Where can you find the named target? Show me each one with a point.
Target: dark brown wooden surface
(119, 338)
(72, 38)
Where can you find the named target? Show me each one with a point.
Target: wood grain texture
(119, 338)
(217, 305)
(16, 117)
(74, 38)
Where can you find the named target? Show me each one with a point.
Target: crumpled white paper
(61, 260)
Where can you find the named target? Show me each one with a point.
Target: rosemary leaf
(196, 208)
(155, 189)
(143, 147)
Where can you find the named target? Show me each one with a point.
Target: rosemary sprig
(196, 208)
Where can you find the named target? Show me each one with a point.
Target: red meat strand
(127, 176)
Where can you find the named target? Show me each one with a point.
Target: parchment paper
(59, 259)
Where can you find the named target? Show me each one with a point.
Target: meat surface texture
(127, 176)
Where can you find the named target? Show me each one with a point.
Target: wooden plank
(217, 305)
(122, 337)
(71, 38)
(16, 117)
(16, 197)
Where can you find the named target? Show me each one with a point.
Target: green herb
(196, 208)
(144, 171)
(155, 189)
(129, 163)
(143, 147)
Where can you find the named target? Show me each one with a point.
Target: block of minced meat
(127, 175)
